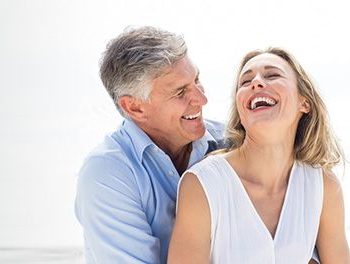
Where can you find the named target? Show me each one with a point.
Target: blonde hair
(314, 142)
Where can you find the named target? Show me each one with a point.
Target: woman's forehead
(266, 60)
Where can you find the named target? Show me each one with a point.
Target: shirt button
(171, 173)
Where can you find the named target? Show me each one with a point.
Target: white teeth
(191, 117)
(269, 101)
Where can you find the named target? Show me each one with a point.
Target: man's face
(174, 111)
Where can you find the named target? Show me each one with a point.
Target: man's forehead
(180, 73)
(184, 65)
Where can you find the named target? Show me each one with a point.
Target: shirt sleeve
(109, 207)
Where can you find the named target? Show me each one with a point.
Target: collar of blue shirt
(141, 141)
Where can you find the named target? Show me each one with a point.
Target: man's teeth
(191, 117)
(256, 100)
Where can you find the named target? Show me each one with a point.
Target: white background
(54, 109)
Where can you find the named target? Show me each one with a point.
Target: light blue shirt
(126, 195)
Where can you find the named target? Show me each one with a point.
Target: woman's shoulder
(331, 241)
(212, 174)
(190, 181)
(329, 179)
(332, 187)
(311, 173)
(207, 164)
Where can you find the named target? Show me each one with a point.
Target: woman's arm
(190, 242)
(331, 241)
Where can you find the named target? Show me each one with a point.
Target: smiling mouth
(258, 102)
(191, 117)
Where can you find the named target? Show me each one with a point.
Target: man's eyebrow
(177, 89)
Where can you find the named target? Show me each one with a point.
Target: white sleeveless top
(238, 235)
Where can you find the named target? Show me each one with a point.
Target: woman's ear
(133, 107)
(304, 106)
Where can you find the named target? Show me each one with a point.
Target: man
(127, 186)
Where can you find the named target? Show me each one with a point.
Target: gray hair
(137, 56)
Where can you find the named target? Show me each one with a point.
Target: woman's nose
(257, 82)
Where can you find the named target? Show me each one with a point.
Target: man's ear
(133, 107)
(305, 105)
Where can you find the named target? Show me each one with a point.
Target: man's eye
(181, 93)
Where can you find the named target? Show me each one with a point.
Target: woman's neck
(267, 165)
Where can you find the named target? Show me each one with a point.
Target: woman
(272, 197)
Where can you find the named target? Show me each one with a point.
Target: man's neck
(181, 158)
(178, 153)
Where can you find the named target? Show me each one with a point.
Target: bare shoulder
(192, 206)
(191, 190)
(331, 240)
(332, 186)
(190, 179)
(190, 242)
(333, 201)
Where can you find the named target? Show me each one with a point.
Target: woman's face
(267, 95)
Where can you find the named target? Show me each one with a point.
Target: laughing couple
(267, 196)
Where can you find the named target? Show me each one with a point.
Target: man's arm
(108, 206)
(331, 241)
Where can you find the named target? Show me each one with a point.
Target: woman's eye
(272, 75)
(245, 82)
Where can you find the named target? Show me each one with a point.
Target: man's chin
(198, 134)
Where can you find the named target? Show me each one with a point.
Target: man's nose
(197, 96)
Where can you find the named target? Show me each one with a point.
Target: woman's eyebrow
(246, 72)
(267, 67)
